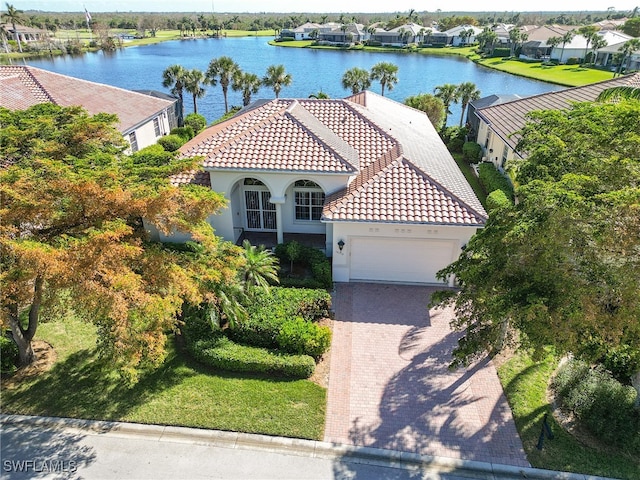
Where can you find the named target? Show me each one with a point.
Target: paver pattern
(390, 385)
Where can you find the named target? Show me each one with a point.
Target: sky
(323, 6)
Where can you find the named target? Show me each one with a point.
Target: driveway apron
(390, 385)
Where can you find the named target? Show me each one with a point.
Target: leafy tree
(193, 81)
(356, 79)
(386, 73)
(486, 40)
(222, 70)
(276, 78)
(248, 84)
(449, 94)
(174, 77)
(429, 104)
(71, 230)
(632, 27)
(467, 92)
(553, 42)
(13, 16)
(560, 267)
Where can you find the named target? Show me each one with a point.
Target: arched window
(309, 200)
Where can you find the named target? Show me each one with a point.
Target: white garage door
(399, 260)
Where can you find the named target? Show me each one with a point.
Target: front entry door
(261, 213)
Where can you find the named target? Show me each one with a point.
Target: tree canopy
(72, 232)
(561, 267)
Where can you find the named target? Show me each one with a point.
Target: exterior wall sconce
(491, 150)
(341, 244)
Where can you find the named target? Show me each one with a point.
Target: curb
(294, 446)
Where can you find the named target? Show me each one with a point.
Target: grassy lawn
(180, 392)
(525, 383)
(568, 75)
(468, 173)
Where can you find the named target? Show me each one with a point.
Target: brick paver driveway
(390, 387)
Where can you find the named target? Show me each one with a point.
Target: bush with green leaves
(491, 180)
(8, 354)
(497, 199)
(573, 61)
(454, 138)
(472, 152)
(221, 353)
(171, 143)
(601, 403)
(186, 133)
(196, 121)
(310, 257)
(300, 337)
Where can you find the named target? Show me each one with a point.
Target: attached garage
(403, 260)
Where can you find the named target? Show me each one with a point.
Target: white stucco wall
(346, 232)
(145, 133)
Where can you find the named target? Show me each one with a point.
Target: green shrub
(491, 179)
(186, 133)
(472, 152)
(501, 52)
(304, 338)
(196, 121)
(171, 143)
(221, 353)
(454, 138)
(373, 43)
(310, 257)
(497, 199)
(573, 61)
(8, 354)
(602, 404)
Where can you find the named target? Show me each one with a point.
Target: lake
(140, 68)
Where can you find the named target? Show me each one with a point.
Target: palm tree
(566, 38)
(323, 19)
(487, 40)
(597, 43)
(553, 42)
(319, 96)
(174, 77)
(13, 16)
(467, 92)
(222, 70)
(589, 32)
(193, 81)
(248, 84)
(514, 37)
(448, 93)
(386, 73)
(356, 79)
(627, 49)
(615, 93)
(276, 78)
(260, 268)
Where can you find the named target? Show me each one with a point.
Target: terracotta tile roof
(24, 86)
(507, 118)
(401, 171)
(194, 177)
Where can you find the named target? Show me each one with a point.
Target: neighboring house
(454, 35)
(26, 34)
(499, 124)
(399, 36)
(610, 56)
(305, 31)
(473, 121)
(142, 119)
(536, 45)
(343, 34)
(369, 174)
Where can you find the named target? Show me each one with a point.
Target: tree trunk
(23, 336)
(635, 383)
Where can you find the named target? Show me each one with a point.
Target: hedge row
(221, 353)
(492, 180)
(603, 405)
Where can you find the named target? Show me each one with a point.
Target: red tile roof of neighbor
(508, 118)
(400, 170)
(23, 86)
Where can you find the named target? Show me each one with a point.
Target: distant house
(455, 35)
(609, 56)
(343, 34)
(26, 34)
(306, 31)
(368, 175)
(499, 123)
(399, 36)
(142, 118)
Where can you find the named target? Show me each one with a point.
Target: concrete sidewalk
(45, 447)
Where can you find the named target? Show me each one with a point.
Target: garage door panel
(399, 260)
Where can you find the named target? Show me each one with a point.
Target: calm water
(312, 70)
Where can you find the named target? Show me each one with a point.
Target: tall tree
(589, 32)
(356, 79)
(514, 38)
(386, 73)
(429, 104)
(71, 230)
(193, 81)
(448, 93)
(467, 92)
(222, 70)
(597, 43)
(174, 77)
(566, 38)
(627, 49)
(561, 267)
(13, 16)
(247, 83)
(276, 78)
